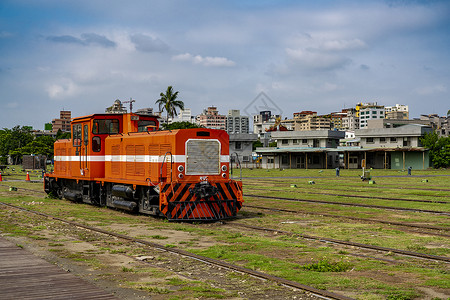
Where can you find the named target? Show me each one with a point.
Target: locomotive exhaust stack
(122, 161)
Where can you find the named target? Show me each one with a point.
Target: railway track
(366, 197)
(204, 259)
(440, 228)
(410, 225)
(348, 243)
(350, 204)
(355, 186)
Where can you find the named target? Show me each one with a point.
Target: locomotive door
(84, 150)
(81, 143)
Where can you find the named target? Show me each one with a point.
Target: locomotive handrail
(162, 165)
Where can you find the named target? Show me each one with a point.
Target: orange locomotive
(122, 161)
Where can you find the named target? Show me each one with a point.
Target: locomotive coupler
(204, 189)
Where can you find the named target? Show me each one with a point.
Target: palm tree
(169, 102)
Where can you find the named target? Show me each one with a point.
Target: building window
(393, 140)
(284, 159)
(369, 140)
(295, 142)
(270, 160)
(245, 158)
(285, 142)
(382, 140)
(304, 141)
(238, 146)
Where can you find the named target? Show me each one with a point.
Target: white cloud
(58, 91)
(316, 60)
(433, 89)
(207, 61)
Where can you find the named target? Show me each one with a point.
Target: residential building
(210, 118)
(440, 124)
(63, 123)
(236, 123)
(399, 137)
(184, 115)
(307, 120)
(398, 112)
(388, 148)
(350, 121)
(116, 108)
(145, 111)
(264, 121)
(302, 149)
(241, 145)
(369, 111)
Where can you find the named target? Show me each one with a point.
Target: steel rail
(359, 219)
(350, 204)
(353, 186)
(200, 258)
(366, 197)
(348, 243)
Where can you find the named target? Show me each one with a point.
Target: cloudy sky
(302, 55)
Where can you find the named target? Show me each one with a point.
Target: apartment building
(210, 118)
(307, 120)
(63, 123)
(264, 121)
(398, 112)
(369, 111)
(236, 123)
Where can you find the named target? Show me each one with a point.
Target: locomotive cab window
(96, 144)
(146, 125)
(76, 133)
(105, 126)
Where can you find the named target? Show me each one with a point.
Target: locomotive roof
(111, 116)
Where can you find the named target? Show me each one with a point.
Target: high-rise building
(350, 121)
(63, 123)
(369, 111)
(210, 118)
(263, 121)
(235, 123)
(184, 115)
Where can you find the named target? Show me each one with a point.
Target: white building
(369, 111)
(184, 115)
(399, 111)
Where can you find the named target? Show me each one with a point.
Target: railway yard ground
(383, 239)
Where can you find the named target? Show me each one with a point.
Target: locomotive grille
(202, 157)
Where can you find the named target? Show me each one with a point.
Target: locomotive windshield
(105, 126)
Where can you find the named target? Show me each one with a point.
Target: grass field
(358, 273)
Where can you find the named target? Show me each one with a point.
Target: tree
(12, 139)
(180, 125)
(169, 102)
(62, 135)
(439, 149)
(257, 144)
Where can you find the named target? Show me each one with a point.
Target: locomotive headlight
(224, 175)
(180, 168)
(180, 176)
(224, 168)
